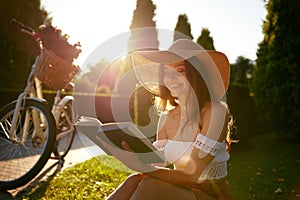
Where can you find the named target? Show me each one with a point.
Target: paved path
(82, 150)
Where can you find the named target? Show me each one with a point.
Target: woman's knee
(151, 188)
(150, 182)
(146, 187)
(134, 178)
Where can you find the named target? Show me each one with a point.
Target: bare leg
(126, 189)
(152, 188)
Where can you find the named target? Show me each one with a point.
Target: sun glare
(91, 22)
(234, 25)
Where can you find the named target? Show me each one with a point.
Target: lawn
(270, 164)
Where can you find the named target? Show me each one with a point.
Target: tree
(183, 28)
(276, 77)
(241, 71)
(143, 33)
(205, 40)
(143, 14)
(141, 37)
(18, 50)
(89, 81)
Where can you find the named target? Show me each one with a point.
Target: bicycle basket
(53, 71)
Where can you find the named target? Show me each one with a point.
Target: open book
(115, 133)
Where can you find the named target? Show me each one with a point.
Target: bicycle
(29, 129)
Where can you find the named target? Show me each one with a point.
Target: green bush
(245, 117)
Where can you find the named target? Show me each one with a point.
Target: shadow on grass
(36, 182)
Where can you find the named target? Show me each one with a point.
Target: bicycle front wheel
(65, 130)
(24, 154)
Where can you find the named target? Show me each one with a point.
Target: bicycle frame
(33, 89)
(57, 108)
(36, 92)
(38, 123)
(30, 131)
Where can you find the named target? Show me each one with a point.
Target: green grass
(270, 164)
(88, 180)
(253, 174)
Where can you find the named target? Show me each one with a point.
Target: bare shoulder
(161, 129)
(215, 106)
(163, 116)
(214, 119)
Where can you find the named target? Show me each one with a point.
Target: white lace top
(178, 153)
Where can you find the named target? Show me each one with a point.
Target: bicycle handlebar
(26, 29)
(51, 38)
(28, 32)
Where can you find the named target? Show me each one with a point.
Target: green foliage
(88, 81)
(183, 27)
(17, 50)
(143, 14)
(142, 38)
(276, 78)
(205, 40)
(242, 108)
(241, 71)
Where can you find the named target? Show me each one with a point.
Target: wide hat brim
(214, 69)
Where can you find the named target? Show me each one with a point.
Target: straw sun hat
(214, 67)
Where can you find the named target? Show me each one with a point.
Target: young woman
(193, 128)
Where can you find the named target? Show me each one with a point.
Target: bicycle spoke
(19, 155)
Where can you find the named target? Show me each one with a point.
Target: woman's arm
(214, 119)
(214, 125)
(161, 132)
(185, 177)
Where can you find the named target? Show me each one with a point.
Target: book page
(114, 134)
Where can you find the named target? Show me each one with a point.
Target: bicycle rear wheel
(24, 155)
(65, 130)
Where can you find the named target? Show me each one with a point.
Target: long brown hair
(201, 91)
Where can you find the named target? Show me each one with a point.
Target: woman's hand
(126, 146)
(127, 156)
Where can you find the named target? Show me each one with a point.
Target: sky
(234, 25)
